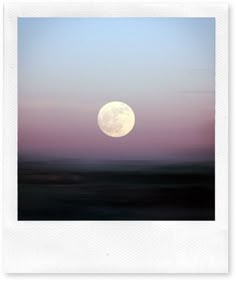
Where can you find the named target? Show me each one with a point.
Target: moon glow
(116, 119)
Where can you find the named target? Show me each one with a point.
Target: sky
(163, 68)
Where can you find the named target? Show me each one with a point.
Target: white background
(232, 153)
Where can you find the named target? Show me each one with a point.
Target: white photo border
(115, 246)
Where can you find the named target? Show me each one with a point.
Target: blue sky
(164, 68)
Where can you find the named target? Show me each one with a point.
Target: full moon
(116, 119)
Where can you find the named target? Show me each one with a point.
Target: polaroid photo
(115, 138)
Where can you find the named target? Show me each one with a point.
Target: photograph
(116, 118)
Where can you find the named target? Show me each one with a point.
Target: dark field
(70, 190)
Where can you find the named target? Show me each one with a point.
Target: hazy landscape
(125, 190)
(116, 118)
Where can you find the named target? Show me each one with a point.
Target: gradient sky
(164, 68)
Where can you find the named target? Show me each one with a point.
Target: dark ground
(115, 191)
